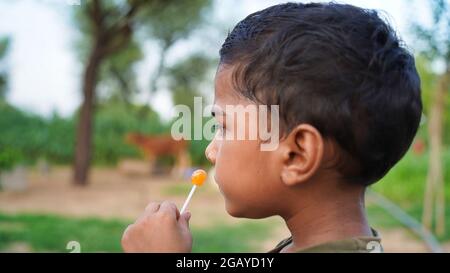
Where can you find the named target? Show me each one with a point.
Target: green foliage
(165, 22)
(52, 233)
(429, 80)
(405, 183)
(433, 45)
(60, 142)
(433, 41)
(197, 147)
(110, 13)
(197, 151)
(113, 121)
(169, 21)
(26, 138)
(109, 24)
(117, 75)
(8, 158)
(186, 78)
(23, 135)
(4, 45)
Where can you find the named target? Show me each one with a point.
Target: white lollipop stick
(197, 179)
(188, 199)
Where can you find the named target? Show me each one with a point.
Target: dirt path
(112, 194)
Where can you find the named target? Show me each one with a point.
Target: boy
(349, 107)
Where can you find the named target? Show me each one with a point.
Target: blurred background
(87, 89)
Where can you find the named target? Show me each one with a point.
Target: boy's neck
(337, 217)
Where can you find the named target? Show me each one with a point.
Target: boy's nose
(210, 152)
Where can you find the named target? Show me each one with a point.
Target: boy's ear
(302, 152)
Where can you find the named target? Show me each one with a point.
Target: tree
(435, 47)
(110, 29)
(4, 44)
(185, 80)
(167, 25)
(117, 75)
(186, 77)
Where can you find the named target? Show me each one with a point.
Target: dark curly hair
(338, 67)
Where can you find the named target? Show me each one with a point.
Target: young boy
(349, 107)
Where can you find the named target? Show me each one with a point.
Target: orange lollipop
(197, 179)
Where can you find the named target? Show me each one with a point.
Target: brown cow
(154, 146)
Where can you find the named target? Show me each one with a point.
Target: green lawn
(51, 233)
(405, 185)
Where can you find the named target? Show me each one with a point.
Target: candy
(197, 179)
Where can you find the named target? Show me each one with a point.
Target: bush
(27, 138)
(8, 158)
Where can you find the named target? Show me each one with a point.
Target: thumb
(184, 219)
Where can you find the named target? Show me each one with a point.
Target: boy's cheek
(227, 177)
(240, 164)
(235, 193)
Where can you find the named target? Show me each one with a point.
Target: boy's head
(348, 94)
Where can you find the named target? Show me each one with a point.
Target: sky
(45, 74)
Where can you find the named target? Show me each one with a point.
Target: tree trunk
(84, 133)
(435, 180)
(440, 187)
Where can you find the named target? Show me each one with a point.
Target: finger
(184, 219)
(169, 208)
(152, 207)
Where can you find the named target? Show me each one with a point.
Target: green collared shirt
(350, 245)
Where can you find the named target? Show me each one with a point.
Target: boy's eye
(218, 127)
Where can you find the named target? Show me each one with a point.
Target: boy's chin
(244, 212)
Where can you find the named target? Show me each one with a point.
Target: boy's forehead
(223, 87)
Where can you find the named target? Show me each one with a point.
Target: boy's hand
(161, 228)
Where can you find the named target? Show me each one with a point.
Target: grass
(179, 189)
(378, 217)
(405, 185)
(50, 233)
(231, 238)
